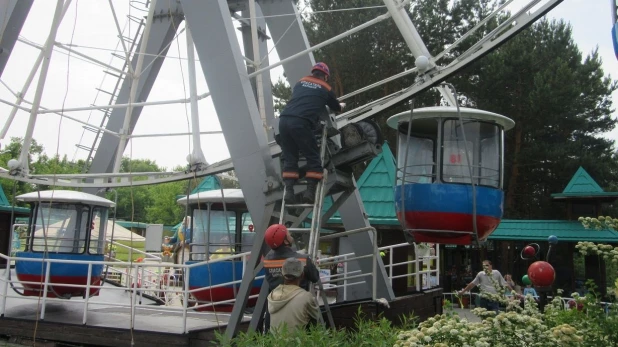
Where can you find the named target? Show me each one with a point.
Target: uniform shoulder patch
(313, 80)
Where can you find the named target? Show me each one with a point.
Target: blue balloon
(552, 239)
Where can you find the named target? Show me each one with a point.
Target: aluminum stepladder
(314, 230)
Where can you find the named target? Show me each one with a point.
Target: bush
(367, 333)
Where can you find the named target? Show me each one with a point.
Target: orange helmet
(275, 235)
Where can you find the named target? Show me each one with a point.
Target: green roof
(5, 206)
(376, 188)
(208, 183)
(582, 185)
(540, 230)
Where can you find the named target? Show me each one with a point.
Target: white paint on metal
(65, 196)
(451, 112)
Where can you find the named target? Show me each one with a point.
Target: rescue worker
(297, 123)
(280, 241)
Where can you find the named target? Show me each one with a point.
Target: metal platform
(107, 324)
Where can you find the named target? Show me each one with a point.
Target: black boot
(309, 194)
(289, 191)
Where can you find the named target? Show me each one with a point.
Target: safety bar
(374, 284)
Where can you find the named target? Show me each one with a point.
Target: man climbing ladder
(298, 121)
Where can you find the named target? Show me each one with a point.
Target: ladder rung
(299, 230)
(299, 205)
(91, 129)
(104, 91)
(113, 74)
(85, 148)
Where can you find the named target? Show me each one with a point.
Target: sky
(89, 25)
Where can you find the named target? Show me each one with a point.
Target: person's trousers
(296, 136)
(490, 305)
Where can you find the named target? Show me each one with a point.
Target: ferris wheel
(236, 69)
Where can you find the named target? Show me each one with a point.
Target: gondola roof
(65, 196)
(449, 111)
(231, 196)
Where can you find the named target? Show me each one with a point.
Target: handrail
(374, 284)
(146, 254)
(156, 278)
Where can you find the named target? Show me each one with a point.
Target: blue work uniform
(297, 123)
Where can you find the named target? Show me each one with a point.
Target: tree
(560, 101)
(133, 201)
(39, 163)
(560, 104)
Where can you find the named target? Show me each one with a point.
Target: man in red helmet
(297, 123)
(280, 241)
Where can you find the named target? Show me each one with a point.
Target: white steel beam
(29, 79)
(135, 77)
(47, 53)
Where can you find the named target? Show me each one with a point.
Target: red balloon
(529, 251)
(541, 273)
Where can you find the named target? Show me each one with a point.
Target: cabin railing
(162, 280)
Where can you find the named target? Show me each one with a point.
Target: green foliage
(588, 316)
(38, 163)
(282, 93)
(366, 333)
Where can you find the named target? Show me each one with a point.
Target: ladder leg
(329, 315)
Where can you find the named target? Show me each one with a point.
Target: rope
(405, 165)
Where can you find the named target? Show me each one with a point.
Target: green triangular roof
(581, 182)
(5, 205)
(3, 200)
(376, 188)
(208, 183)
(582, 185)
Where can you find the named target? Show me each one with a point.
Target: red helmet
(321, 67)
(275, 235)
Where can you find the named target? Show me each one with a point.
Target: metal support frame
(509, 28)
(250, 40)
(223, 67)
(36, 102)
(414, 41)
(135, 75)
(197, 156)
(29, 79)
(162, 33)
(289, 35)
(13, 14)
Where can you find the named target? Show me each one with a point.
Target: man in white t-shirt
(488, 284)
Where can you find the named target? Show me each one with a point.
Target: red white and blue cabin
(437, 204)
(64, 225)
(212, 222)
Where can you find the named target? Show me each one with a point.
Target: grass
(123, 253)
